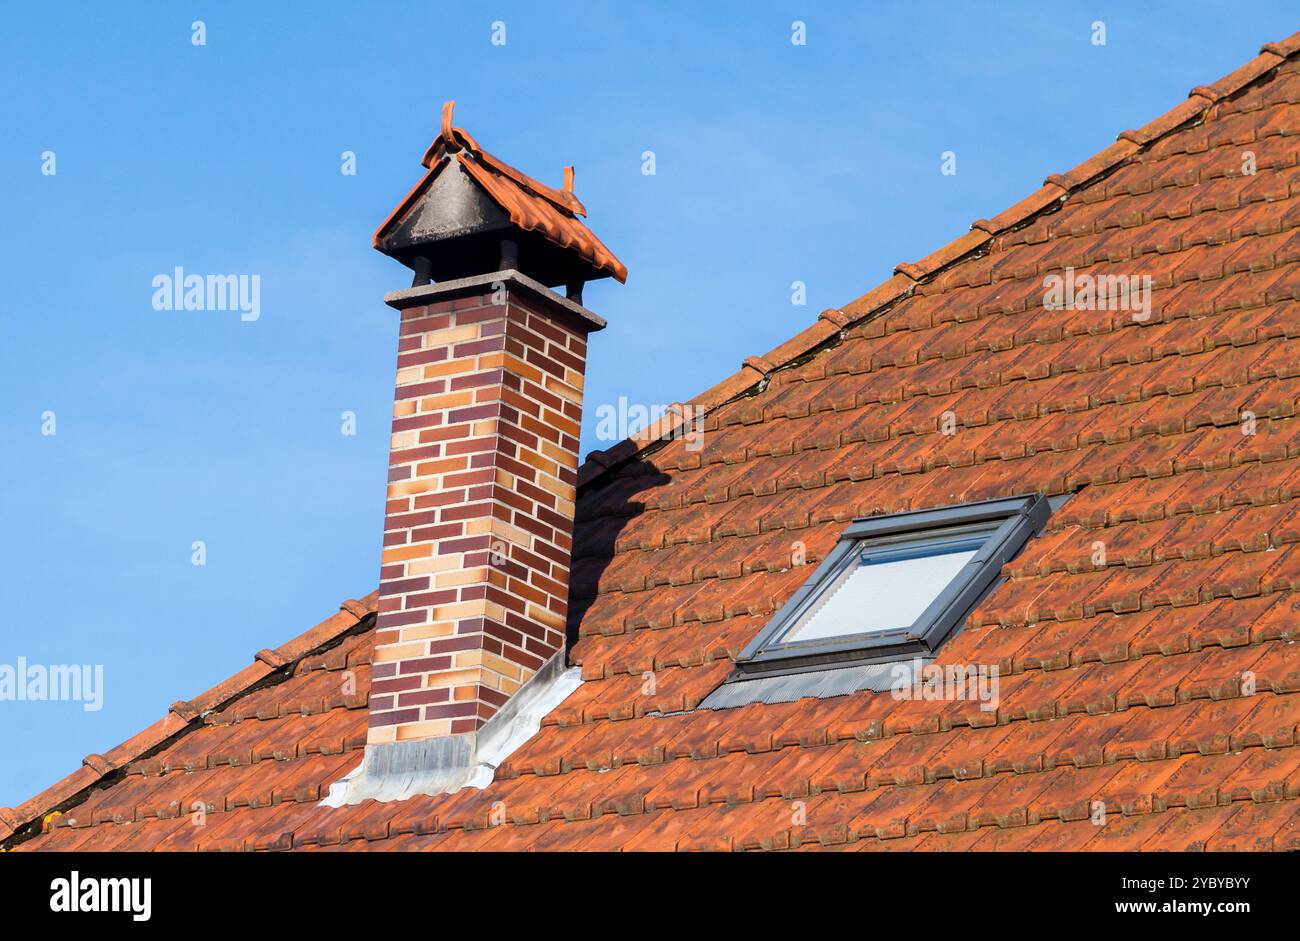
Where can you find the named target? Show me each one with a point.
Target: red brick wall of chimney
(479, 518)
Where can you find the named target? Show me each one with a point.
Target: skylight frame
(1009, 523)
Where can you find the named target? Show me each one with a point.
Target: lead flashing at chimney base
(479, 519)
(398, 770)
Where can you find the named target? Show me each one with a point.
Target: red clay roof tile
(1160, 681)
(531, 205)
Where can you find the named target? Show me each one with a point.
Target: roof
(530, 205)
(1163, 683)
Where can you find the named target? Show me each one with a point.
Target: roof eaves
(182, 714)
(750, 378)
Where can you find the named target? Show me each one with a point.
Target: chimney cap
(472, 211)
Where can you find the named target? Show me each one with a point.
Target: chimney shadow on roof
(604, 511)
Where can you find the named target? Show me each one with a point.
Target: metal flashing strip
(397, 770)
(822, 684)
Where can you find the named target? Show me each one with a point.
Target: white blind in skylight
(881, 595)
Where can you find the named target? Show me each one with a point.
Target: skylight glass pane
(884, 590)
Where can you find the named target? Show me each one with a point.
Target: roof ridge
(451, 140)
(565, 201)
(754, 373)
(1200, 384)
(185, 713)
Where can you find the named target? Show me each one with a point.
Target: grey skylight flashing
(839, 681)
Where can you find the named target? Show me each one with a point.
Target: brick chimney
(483, 467)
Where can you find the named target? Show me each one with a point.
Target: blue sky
(775, 163)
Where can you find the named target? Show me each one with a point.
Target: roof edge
(185, 713)
(753, 374)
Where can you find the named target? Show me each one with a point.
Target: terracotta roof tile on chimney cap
(485, 215)
(448, 136)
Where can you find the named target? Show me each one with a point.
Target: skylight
(895, 587)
